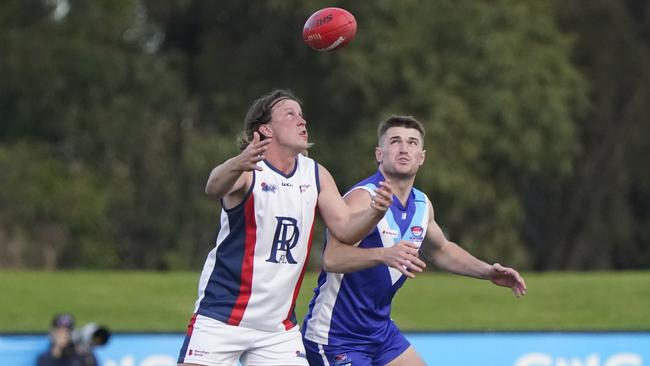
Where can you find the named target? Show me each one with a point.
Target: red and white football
(329, 29)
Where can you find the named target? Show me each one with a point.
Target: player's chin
(303, 146)
(304, 143)
(406, 170)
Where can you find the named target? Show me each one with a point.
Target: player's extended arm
(228, 176)
(450, 257)
(344, 258)
(350, 223)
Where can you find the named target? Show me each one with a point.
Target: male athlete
(269, 194)
(348, 323)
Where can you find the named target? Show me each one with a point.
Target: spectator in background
(61, 351)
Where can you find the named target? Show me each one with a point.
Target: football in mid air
(329, 29)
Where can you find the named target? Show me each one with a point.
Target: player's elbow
(330, 263)
(331, 267)
(339, 232)
(213, 190)
(210, 191)
(348, 236)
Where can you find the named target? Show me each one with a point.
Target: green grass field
(162, 302)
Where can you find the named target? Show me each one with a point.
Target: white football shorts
(214, 343)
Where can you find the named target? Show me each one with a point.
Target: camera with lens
(89, 336)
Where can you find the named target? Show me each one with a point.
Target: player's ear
(265, 130)
(378, 155)
(423, 156)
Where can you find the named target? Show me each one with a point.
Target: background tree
(114, 112)
(81, 88)
(599, 216)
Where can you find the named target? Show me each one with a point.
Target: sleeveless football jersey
(355, 307)
(252, 276)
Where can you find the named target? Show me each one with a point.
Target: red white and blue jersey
(252, 276)
(355, 307)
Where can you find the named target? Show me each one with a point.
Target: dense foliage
(112, 114)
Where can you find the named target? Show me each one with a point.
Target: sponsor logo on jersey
(287, 184)
(304, 187)
(389, 232)
(269, 187)
(301, 354)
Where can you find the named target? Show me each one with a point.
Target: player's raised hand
(384, 196)
(508, 277)
(403, 256)
(253, 154)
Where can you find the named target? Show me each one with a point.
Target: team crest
(284, 240)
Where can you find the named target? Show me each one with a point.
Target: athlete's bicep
(434, 239)
(331, 206)
(336, 211)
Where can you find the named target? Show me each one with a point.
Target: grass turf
(163, 301)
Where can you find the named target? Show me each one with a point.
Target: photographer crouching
(70, 347)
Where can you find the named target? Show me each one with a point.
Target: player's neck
(281, 159)
(402, 190)
(402, 186)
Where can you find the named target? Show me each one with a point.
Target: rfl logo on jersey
(416, 233)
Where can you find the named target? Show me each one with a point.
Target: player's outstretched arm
(350, 222)
(228, 176)
(345, 258)
(450, 257)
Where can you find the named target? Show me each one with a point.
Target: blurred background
(113, 113)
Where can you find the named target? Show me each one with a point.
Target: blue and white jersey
(252, 276)
(355, 307)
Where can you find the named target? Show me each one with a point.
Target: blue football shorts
(380, 352)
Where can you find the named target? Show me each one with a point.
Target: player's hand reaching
(253, 153)
(383, 198)
(508, 277)
(403, 256)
